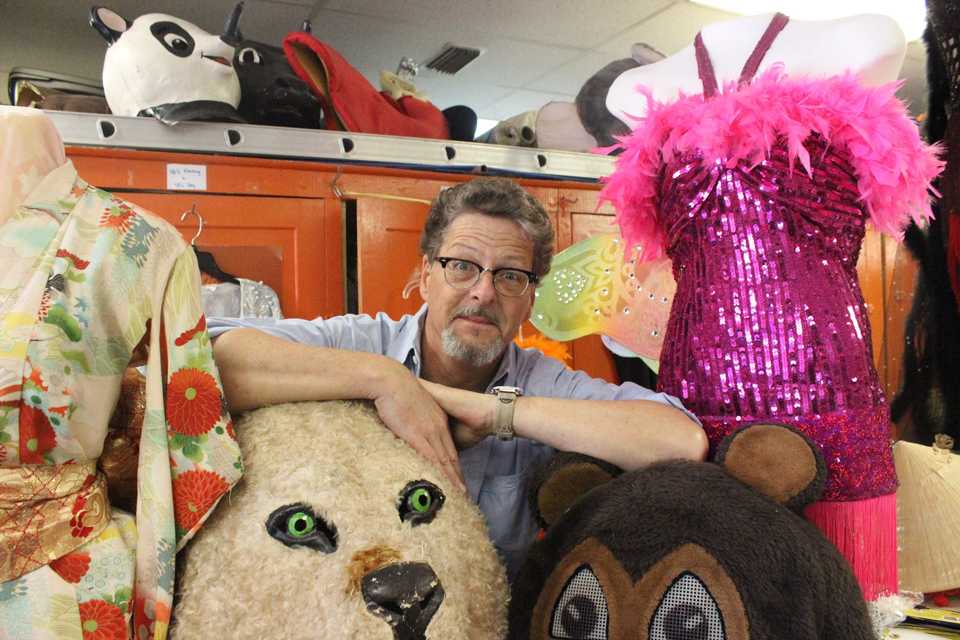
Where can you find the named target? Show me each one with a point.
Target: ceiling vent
(453, 58)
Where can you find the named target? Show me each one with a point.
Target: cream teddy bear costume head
(339, 530)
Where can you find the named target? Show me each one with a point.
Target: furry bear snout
(406, 595)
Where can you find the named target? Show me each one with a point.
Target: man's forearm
(259, 369)
(627, 433)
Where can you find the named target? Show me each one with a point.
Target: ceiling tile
(551, 22)
(567, 78)
(522, 100)
(667, 31)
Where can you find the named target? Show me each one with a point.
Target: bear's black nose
(406, 595)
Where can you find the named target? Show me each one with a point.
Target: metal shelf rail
(97, 130)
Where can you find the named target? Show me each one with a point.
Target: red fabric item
(350, 102)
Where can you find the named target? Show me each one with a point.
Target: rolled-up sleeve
(548, 377)
(340, 332)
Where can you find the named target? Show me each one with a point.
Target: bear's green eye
(300, 524)
(419, 502)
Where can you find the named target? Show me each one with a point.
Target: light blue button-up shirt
(496, 471)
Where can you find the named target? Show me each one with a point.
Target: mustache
(476, 310)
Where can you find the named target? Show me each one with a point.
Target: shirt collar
(507, 371)
(405, 347)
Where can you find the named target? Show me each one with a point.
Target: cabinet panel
(388, 254)
(291, 244)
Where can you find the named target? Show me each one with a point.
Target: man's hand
(416, 418)
(472, 414)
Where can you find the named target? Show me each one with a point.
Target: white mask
(166, 67)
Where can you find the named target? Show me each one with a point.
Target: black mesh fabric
(581, 611)
(687, 612)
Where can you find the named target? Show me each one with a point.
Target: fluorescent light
(484, 125)
(911, 15)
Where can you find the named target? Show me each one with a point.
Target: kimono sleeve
(204, 454)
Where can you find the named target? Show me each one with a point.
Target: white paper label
(187, 177)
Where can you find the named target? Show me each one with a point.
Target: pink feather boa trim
(894, 166)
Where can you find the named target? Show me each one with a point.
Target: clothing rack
(98, 130)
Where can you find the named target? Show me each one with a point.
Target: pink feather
(894, 166)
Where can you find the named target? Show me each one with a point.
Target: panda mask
(162, 66)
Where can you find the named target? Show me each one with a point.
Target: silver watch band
(506, 404)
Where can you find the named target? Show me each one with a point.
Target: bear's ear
(776, 460)
(559, 483)
(108, 23)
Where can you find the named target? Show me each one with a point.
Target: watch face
(504, 389)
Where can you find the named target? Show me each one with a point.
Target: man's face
(477, 324)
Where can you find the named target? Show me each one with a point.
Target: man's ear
(108, 23)
(557, 485)
(424, 275)
(776, 460)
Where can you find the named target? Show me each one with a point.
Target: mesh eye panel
(581, 611)
(687, 612)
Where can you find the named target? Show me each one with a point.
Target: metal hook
(183, 216)
(335, 185)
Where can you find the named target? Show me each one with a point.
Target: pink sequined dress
(760, 195)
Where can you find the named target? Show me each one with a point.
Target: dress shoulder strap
(705, 67)
(708, 76)
(776, 25)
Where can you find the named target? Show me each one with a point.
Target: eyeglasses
(463, 274)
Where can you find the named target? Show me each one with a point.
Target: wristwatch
(506, 403)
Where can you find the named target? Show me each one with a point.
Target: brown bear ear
(562, 481)
(776, 460)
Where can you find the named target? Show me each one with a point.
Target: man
(486, 245)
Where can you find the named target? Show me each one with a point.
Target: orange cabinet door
(388, 255)
(291, 244)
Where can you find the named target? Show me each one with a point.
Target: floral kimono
(84, 279)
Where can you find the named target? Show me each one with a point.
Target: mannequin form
(85, 279)
(758, 183)
(30, 148)
(871, 46)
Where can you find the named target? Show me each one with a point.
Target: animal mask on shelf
(166, 67)
(270, 92)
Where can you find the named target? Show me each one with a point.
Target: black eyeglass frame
(532, 278)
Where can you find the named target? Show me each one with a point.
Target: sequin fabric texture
(768, 323)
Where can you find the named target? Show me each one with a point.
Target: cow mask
(270, 92)
(165, 67)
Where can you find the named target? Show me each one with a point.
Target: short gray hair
(498, 197)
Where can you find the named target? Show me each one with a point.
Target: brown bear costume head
(688, 551)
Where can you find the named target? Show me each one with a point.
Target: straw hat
(928, 515)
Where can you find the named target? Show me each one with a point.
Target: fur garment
(338, 461)
(689, 550)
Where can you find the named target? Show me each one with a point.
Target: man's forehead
(485, 228)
